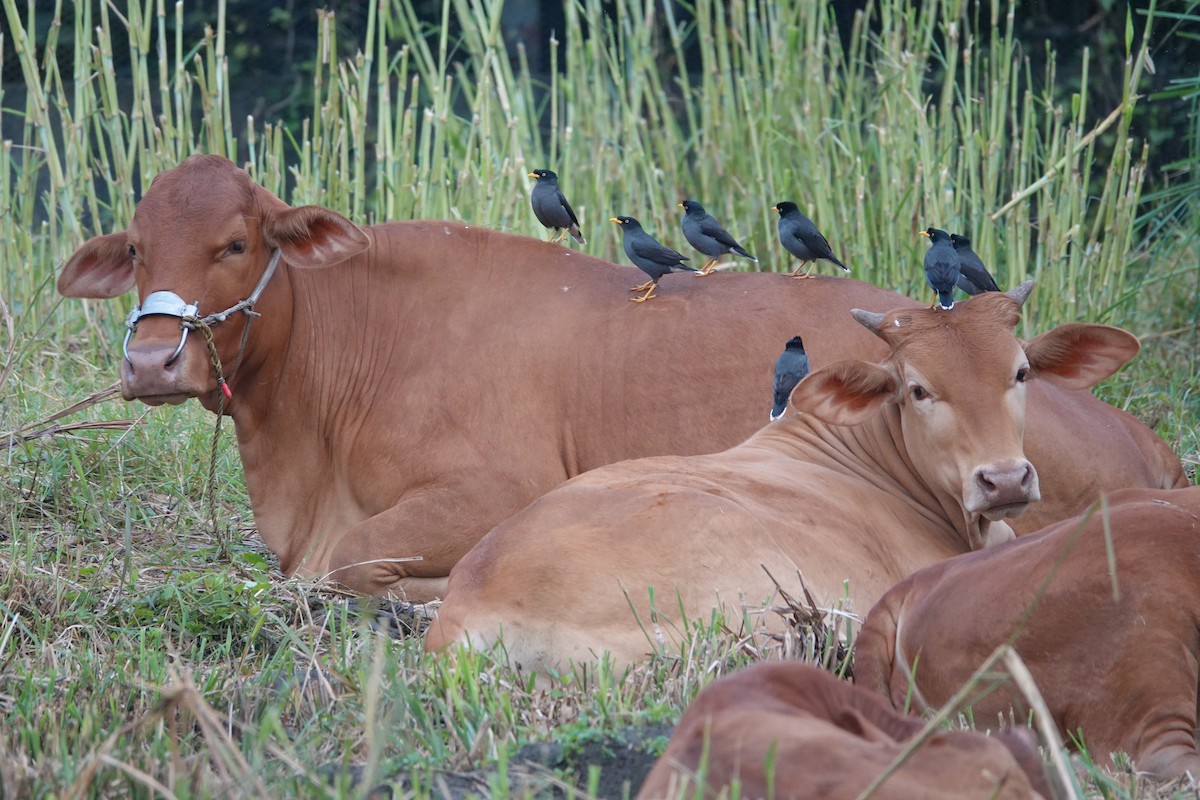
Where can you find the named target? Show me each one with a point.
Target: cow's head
(958, 382)
(203, 233)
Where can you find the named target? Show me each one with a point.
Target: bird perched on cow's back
(651, 257)
(704, 233)
(973, 276)
(941, 267)
(799, 236)
(551, 208)
(790, 369)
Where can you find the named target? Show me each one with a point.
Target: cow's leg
(876, 655)
(1171, 762)
(355, 566)
(408, 550)
(1161, 695)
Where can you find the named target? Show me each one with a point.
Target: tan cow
(1123, 670)
(410, 385)
(888, 468)
(789, 730)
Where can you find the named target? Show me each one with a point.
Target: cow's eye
(238, 246)
(1022, 374)
(918, 392)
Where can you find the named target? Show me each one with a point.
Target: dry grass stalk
(181, 698)
(46, 427)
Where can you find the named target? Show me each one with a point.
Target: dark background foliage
(271, 48)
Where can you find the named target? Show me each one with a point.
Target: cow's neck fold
(876, 453)
(323, 380)
(272, 426)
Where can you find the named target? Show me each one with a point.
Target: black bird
(973, 276)
(790, 369)
(551, 207)
(800, 237)
(941, 267)
(706, 235)
(650, 256)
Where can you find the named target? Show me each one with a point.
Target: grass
(136, 660)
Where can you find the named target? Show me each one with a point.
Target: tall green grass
(923, 114)
(135, 662)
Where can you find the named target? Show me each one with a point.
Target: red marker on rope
(226, 390)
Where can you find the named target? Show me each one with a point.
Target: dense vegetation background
(273, 48)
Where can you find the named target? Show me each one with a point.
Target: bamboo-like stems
(910, 121)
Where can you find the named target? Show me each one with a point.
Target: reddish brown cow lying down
(410, 385)
(824, 738)
(1122, 671)
(887, 468)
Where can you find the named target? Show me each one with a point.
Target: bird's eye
(132, 251)
(1022, 374)
(235, 247)
(918, 392)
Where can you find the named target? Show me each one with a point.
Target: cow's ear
(845, 393)
(312, 236)
(100, 268)
(1077, 356)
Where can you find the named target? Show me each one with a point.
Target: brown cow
(410, 385)
(790, 730)
(1121, 670)
(890, 467)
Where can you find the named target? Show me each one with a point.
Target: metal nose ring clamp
(166, 304)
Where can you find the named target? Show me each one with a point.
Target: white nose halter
(169, 304)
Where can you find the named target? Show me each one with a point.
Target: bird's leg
(649, 293)
(708, 269)
(797, 274)
(641, 287)
(559, 236)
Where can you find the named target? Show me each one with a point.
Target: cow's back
(536, 348)
(1122, 667)
(550, 340)
(794, 731)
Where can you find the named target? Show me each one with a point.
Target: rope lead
(195, 323)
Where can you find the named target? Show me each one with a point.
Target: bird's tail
(741, 251)
(840, 264)
(688, 267)
(576, 235)
(946, 300)
(777, 411)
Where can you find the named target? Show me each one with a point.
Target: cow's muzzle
(169, 304)
(1003, 489)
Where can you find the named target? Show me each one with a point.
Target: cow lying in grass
(885, 468)
(1112, 640)
(410, 385)
(790, 730)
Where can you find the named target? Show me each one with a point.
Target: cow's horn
(871, 320)
(1021, 293)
